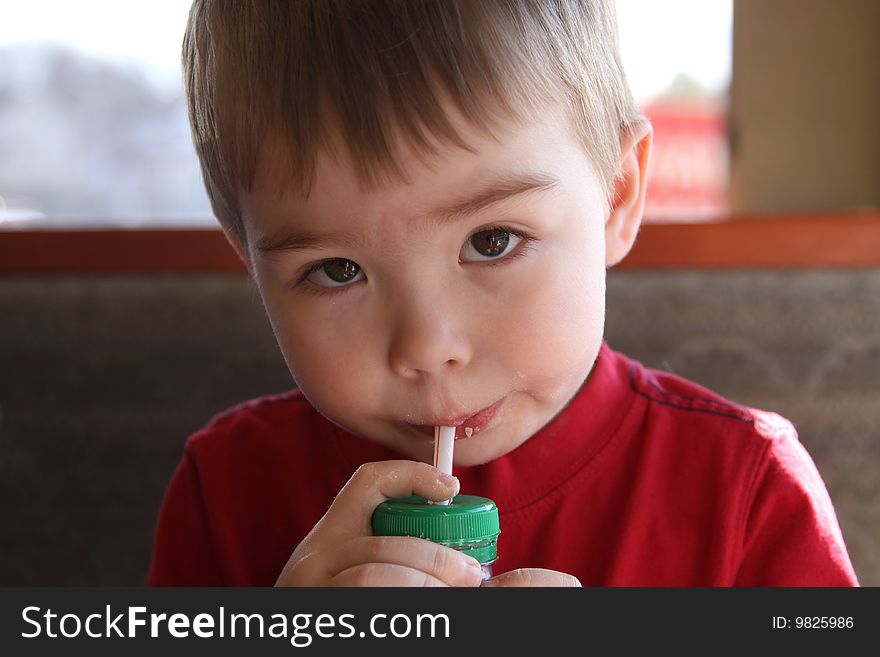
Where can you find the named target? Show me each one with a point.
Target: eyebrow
(500, 189)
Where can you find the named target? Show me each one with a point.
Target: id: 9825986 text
(813, 622)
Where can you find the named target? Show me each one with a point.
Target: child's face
(478, 284)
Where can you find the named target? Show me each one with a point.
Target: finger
(384, 574)
(443, 563)
(310, 570)
(351, 512)
(533, 577)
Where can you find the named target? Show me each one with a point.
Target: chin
(471, 455)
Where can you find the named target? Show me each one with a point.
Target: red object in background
(688, 173)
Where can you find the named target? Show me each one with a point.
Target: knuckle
(363, 575)
(302, 571)
(424, 469)
(428, 581)
(367, 472)
(440, 565)
(378, 546)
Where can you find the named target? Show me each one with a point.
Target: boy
(428, 194)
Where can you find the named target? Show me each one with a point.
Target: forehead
(425, 180)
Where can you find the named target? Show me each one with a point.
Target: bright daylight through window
(93, 128)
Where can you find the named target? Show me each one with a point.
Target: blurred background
(93, 125)
(758, 276)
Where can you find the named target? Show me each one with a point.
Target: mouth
(465, 426)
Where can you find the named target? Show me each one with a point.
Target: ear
(239, 248)
(628, 199)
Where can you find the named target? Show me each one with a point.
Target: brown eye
(489, 244)
(335, 273)
(341, 271)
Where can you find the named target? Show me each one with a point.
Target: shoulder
(261, 409)
(754, 459)
(253, 425)
(756, 452)
(701, 413)
(693, 429)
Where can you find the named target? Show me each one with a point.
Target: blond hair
(375, 69)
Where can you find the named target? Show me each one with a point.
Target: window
(93, 126)
(677, 55)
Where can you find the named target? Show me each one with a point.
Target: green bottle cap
(469, 523)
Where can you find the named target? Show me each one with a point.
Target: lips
(464, 425)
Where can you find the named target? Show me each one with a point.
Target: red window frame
(840, 240)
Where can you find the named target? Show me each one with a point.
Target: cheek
(558, 321)
(325, 356)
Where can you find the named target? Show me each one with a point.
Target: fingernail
(448, 480)
(474, 570)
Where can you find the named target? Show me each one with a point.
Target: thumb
(351, 513)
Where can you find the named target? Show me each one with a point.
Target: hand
(533, 577)
(341, 550)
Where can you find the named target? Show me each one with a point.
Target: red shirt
(645, 479)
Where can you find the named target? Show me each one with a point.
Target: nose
(429, 337)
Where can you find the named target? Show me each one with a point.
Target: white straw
(444, 443)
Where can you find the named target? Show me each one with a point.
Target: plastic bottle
(469, 524)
